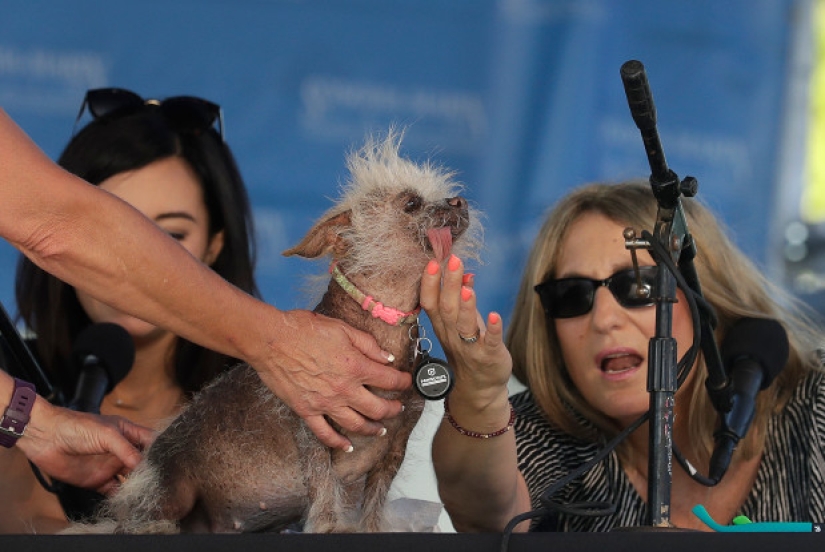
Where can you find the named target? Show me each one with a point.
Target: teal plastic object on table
(742, 524)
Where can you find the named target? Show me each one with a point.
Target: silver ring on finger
(472, 339)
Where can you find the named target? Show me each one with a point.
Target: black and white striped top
(789, 484)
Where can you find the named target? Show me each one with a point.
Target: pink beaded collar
(391, 316)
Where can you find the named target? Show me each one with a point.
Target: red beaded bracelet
(476, 434)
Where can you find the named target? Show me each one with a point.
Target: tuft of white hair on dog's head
(377, 168)
(378, 176)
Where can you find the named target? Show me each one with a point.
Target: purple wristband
(14, 420)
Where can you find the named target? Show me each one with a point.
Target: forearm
(26, 506)
(39, 417)
(478, 479)
(125, 261)
(101, 245)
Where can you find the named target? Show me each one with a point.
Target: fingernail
(389, 356)
(349, 449)
(453, 263)
(432, 267)
(468, 279)
(382, 432)
(466, 293)
(494, 318)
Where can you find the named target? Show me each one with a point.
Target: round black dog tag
(433, 378)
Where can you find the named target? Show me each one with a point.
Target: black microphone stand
(22, 364)
(671, 233)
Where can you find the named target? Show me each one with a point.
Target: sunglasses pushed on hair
(572, 297)
(184, 112)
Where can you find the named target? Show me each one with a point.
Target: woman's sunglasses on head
(184, 112)
(572, 297)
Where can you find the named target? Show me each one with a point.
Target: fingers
(431, 292)
(377, 375)
(141, 437)
(364, 406)
(326, 375)
(474, 346)
(367, 344)
(440, 291)
(362, 417)
(108, 488)
(352, 355)
(451, 287)
(352, 420)
(495, 331)
(108, 476)
(333, 383)
(331, 438)
(449, 299)
(468, 322)
(326, 434)
(387, 378)
(356, 415)
(114, 441)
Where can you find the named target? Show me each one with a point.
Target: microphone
(755, 350)
(640, 101)
(105, 353)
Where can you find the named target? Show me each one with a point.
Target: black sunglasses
(571, 297)
(185, 112)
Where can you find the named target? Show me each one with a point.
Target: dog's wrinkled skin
(237, 459)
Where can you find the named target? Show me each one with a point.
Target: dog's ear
(323, 238)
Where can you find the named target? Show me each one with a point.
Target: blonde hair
(730, 282)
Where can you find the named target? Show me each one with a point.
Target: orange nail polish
(494, 318)
(466, 293)
(468, 278)
(453, 263)
(432, 267)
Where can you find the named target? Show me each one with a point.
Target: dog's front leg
(381, 477)
(333, 506)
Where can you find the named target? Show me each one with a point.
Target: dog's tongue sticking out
(441, 240)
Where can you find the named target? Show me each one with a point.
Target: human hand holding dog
(100, 244)
(82, 449)
(321, 366)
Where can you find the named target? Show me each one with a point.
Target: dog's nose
(457, 201)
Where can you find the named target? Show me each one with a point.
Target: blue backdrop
(522, 97)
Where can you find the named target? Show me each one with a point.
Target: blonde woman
(579, 342)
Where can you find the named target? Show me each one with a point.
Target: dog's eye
(413, 204)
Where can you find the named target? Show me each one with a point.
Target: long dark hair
(128, 141)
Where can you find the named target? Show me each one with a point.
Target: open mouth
(620, 363)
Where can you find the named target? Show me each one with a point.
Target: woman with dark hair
(116, 146)
(167, 160)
